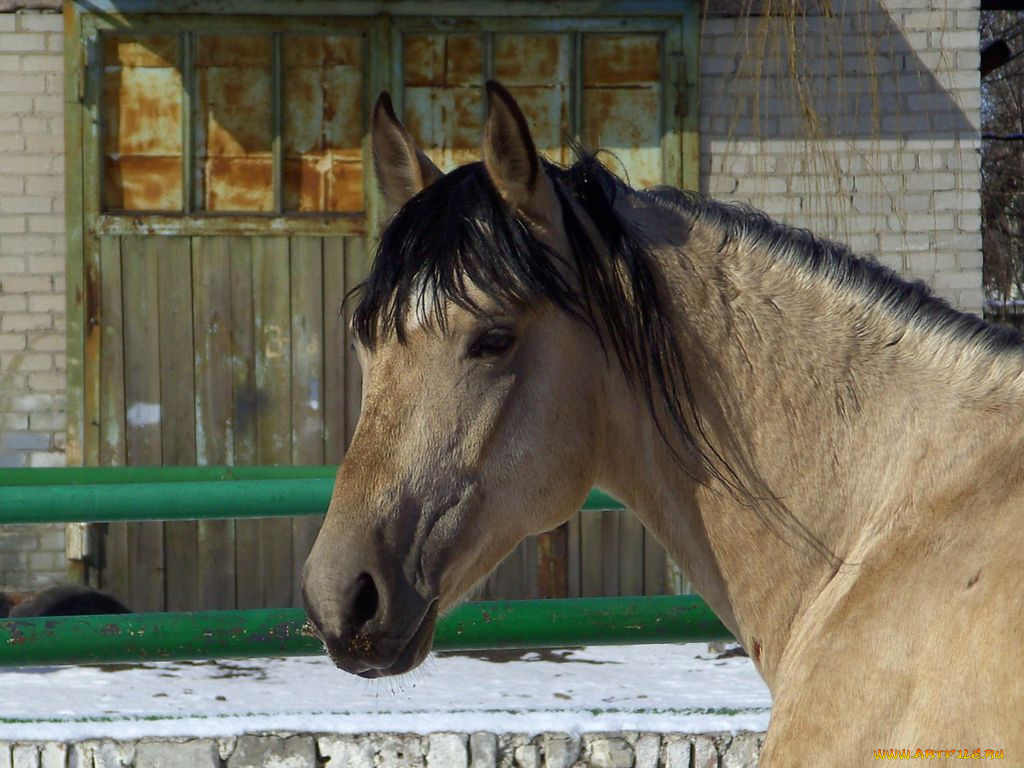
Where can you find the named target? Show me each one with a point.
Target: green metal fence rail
(104, 494)
(118, 494)
(283, 632)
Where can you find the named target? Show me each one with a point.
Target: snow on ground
(638, 687)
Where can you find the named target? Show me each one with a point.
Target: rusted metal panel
(141, 112)
(622, 107)
(619, 60)
(424, 60)
(234, 130)
(547, 111)
(539, 60)
(536, 69)
(322, 122)
(626, 121)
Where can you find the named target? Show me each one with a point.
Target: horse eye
(492, 343)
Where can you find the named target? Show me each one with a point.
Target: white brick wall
(901, 182)
(32, 248)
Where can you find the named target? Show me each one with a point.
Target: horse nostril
(365, 602)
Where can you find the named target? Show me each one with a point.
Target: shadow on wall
(853, 75)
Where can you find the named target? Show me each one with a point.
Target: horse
(833, 454)
(67, 600)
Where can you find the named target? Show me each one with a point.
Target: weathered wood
(244, 406)
(336, 349)
(572, 565)
(591, 559)
(611, 553)
(114, 548)
(631, 558)
(357, 265)
(655, 563)
(177, 409)
(211, 313)
(140, 256)
(272, 317)
(307, 344)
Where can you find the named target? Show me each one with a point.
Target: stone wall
(395, 750)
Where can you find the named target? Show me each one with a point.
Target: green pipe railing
(118, 494)
(284, 632)
(105, 494)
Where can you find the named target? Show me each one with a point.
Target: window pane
(622, 98)
(140, 112)
(322, 122)
(234, 126)
(443, 102)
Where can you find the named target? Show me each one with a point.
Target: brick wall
(895, 170)
(32, 344)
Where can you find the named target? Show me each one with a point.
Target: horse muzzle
(370, 628)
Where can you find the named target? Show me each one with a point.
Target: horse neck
(833, 443)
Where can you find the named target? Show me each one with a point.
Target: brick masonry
(890, 161)
(399, 750)
(892, 169)
(32, 250)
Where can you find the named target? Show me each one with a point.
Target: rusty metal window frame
(190, 219)
(679, 30)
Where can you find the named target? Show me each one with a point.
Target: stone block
(348, 751)
(273, 752)
(742, 751)
(196, 753)
(705, 755)
(678, 751)
(399, 750)
(560, 750)
(611, 752)
(447, 750)
(25, 756)
(483, 750)
(527, 756)
(647, 750)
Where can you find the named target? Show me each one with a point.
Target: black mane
(459, 232)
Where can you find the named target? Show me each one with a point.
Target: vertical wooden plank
(689, 61)
(631, 547)
(177, 409)
(654, 565)
(143, 446)
(74, 142)
(336, 349)
(271, 313)
(552, 562)
(242, 439)
(610, 552)
(307, 344)
(591, 560)
(357, 265)
(573, 584)
(211, 323)
(114, 553)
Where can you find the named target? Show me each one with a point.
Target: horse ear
(511, 158)
(401, 167)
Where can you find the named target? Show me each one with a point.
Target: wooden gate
(221, 207)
